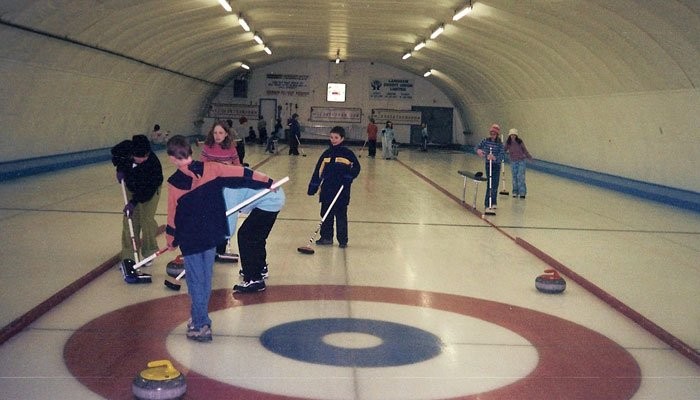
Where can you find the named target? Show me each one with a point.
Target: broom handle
(247, 202)
(131, 224)
(257, 196)
(332, 203)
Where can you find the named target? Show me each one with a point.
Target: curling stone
(160, 381)
(550, 282)
(175, 267)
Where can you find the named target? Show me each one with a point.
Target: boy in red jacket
(197, 221)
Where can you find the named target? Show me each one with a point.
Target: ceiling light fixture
(406, 56)
(257, 38)
(437, 31)
(337, 57)
(464, 11)
(419, 46)
(428, 73)
(244, 24)
(225, 5)
(245, 66)
(267, 50)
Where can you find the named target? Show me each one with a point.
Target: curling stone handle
(554, 274)
(169, 368)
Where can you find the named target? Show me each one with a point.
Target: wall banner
(336, 114)
(397, 117)
(387, 89)
(287, 85)
(233, 111)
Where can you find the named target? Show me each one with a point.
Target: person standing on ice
(142, 174)
(491, 150)
(197, 223)
(337, 166)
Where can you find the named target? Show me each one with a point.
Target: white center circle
(352, 340)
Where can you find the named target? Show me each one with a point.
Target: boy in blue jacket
(336, 167)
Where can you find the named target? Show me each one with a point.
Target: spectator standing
(518, 154)
(388, 141)
(372, 138)
(294, 135)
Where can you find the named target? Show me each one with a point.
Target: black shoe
(250, 287)
(324, 242)
(522, 197)
(265, 273)
(343, 245)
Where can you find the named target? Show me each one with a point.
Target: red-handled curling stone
(175, 267)
(550, 282)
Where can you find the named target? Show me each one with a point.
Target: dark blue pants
(339, 213)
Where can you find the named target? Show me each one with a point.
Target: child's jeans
(199, 267)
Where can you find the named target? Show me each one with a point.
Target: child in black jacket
(336, 168)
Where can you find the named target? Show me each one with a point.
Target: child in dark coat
(336, 168)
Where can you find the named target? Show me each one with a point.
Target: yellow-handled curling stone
(160, 381)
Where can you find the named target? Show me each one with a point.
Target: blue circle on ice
(398, 344)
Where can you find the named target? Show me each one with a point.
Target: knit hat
(495, 128)
(513, 131)
(140, 146)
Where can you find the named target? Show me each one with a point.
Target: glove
(313, 188)
(120, 176)
(129, 209)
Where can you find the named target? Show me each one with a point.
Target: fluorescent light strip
(419, 46)
(258, 39)
(437, 32)
(267, 50)
(225, 5)
(461, 13)
(405, 56)
(244, 24)
(428, 73)
(245, 66)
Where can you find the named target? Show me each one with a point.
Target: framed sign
(336, 92)
(397, 117)
(233, 111)
(336, 114)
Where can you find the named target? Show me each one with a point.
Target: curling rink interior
(428, 301)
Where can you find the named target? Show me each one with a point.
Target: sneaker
(265, 273)
(324, 242)
(250, 287)
(227, 257)
(202, 334)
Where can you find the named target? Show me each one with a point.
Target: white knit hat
(513, 131)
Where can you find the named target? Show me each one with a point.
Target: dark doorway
(439, 120)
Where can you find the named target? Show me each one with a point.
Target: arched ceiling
(504, 50)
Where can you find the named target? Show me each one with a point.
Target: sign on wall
(389, 88)
(233, 111)
(397, 117)
(287, 85)
(336, 114)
